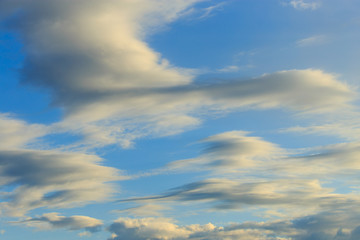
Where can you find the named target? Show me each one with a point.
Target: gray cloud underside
(228, 194)
(36, 178)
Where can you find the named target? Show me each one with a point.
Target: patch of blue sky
(15, 97)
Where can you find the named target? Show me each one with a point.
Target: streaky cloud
(54, 220)
(52, 179)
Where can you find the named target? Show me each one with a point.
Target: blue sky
(181, 119)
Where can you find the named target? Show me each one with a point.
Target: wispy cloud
(53, 220)
(209, 11)
(304, 4)
(145, 210)
(310, 41)
(231, 68)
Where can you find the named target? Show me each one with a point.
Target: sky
(179, 119)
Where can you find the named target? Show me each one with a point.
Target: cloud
(16, 133)
(310, 41)
(165, 229)
(225, 194)
(304, 4)
(231, 68)
(113, 88)
(344, 127)
(328, 162)
(325, 225)
(53, 220)
(238, 153)
(169, 110)
(231, 151)
(209, 11)
(147, 228)
(144, 210)
(52, 179)
(251, 172)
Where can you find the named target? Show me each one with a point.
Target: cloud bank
(326, 225)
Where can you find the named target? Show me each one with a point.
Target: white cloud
(231, 68)
(146, 228)
(53, 220)
(329, 161)
(237, 152)
(16, 133)
(209, 11)
(343, 128)
(304, 4)
(231, 151)
(310, 41)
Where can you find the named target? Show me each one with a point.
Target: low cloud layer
(340, 225)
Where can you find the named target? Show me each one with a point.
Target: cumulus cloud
(325, 225)
(147, 228)
(53, 220)
(166, 229)
(52, 179)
